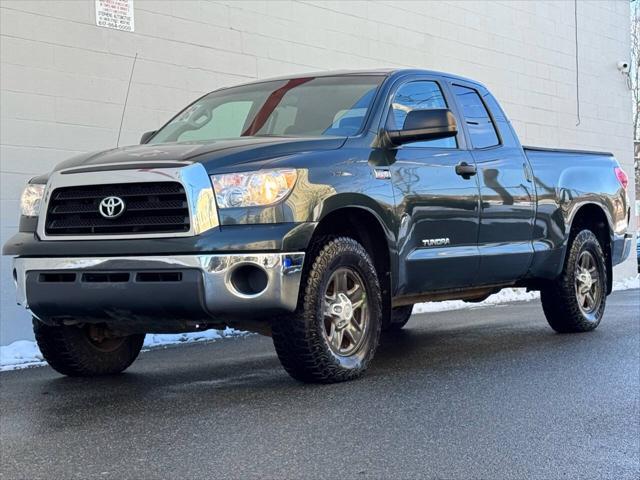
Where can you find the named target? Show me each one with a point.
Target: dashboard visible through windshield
(298, 107)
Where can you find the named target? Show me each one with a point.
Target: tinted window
(421, 95)
(481, 129)
(303, 107)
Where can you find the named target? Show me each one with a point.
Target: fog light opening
(249, 280)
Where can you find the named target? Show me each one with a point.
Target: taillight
(622, 177)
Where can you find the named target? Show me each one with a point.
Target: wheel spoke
(342, 281)
(356, 305)
(332, 330)
(590, 300)
(356, 324)
(354, 334)
(336, 339)
(584, 301)
(356, 288)
(580, 299)
(326, 305)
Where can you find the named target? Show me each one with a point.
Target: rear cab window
(480, 126)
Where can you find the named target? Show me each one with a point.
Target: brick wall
(63, 79)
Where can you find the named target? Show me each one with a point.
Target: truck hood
(217, 154)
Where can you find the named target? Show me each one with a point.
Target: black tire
(71, 351)
(398, 318)
(561, 298)
(302, 339)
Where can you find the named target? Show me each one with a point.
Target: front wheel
(575, 301)
(334, 333)
(85, 351)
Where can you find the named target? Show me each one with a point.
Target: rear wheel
(398, 318)
(333, 335)
(575, 301)
(86, 351)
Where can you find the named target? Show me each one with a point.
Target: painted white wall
(63, 79)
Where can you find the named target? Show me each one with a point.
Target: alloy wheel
(345, 312)
(588, 284)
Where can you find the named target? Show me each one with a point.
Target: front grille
(154, 207)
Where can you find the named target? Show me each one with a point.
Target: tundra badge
(435, 242)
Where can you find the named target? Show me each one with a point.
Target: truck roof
(388, 72)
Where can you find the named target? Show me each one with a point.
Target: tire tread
(299, 345)
(558, 299)
(61, 348)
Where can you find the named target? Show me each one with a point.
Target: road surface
(480, 393)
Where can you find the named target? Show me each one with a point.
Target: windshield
(299, 107)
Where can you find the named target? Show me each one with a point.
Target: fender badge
(381, 174)
(435, 242)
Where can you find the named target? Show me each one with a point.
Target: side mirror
(146, 136)
(422, 125)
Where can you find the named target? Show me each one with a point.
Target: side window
(481, 129)
(420, 95)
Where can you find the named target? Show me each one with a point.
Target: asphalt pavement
(480, 393)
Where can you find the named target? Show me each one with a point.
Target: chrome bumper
(621, 248)
(283, 272)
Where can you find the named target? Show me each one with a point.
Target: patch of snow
(507, 295)
(627, 283)
(25, 353)
(153, 340)
(503, 296)
(20, 354)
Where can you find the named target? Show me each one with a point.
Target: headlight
(30, 199)
(252, 189)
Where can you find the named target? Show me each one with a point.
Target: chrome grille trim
(202, 208)
(150, 207)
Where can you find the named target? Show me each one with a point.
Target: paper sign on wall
(116, 14)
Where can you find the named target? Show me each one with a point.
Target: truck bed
(565, 150)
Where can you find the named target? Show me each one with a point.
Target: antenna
(124, 109)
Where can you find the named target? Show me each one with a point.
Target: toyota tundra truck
(316, 209)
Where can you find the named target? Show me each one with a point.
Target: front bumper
(154, 290)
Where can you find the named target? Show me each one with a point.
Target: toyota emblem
(111, 207)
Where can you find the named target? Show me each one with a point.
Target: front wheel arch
(366, 227)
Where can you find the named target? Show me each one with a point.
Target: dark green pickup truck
(316, 209)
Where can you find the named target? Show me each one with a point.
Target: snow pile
(503, 296)
(627, 283)
(25, 353)
(153, 340)
(507, 295)
(20, 354)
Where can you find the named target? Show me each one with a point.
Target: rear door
(437, 207)
(506, 189)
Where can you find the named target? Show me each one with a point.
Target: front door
(438, 208)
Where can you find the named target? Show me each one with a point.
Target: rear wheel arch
(593, 217)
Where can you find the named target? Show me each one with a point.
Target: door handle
(527, 172)
(465, 170)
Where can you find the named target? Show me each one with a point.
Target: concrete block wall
(63, 79)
